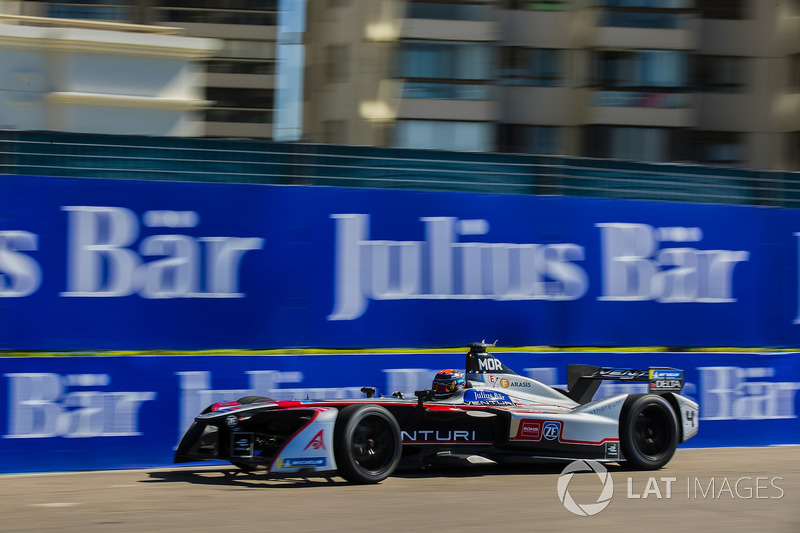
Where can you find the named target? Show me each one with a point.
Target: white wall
(101, 81)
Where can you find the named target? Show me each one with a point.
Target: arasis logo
(588, 509)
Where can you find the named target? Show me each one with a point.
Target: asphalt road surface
(704, 490)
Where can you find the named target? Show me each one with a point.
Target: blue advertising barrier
(86, 413)
(94, 264)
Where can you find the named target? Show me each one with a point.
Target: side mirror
(423, 395)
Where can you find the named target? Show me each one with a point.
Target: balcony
(450, 30)
(645, 99)
(459, 110)
(642, 108)
(446, 91)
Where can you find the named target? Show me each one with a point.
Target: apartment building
(240, 77)
(707, 81)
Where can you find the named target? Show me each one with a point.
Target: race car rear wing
(584, 380)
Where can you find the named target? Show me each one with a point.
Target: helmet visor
(444, 387)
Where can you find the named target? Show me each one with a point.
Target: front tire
(254, 399)
(648, 431)
(366, 443)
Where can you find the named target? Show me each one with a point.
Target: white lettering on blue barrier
(443, 268)
(44, 405)
(102, 263)
(20, 274)
(635, 269)
(735, 393)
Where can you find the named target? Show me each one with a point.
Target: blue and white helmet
(447, 382)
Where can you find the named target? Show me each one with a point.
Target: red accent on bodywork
(317, 442)
(220, 405)
(431, 407)
(290, 403)
(317, 411)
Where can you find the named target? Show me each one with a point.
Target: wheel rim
(373, 444)
(652, 433)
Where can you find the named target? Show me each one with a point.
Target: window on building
(631, 143)
(242, 116)
(720, 74)
(250, 12)
(794, 73)
(717, 147)
(641, 78)
(722, 9)
(444, 135)
(446, 91)
(454, 71)
(648, 4)
(241, 66)
(522, 139)
(337, 58)
(240, 105)
(657, 14)
(253, 98)
(539, 5)
(109, 10)
(532, 66)
(447, 11)
(256, 5)
(641, 69)
(442, 60)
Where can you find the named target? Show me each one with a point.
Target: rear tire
(648, 431)
(366, 443)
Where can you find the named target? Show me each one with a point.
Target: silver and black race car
(493, 415)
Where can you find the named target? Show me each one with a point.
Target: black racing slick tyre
(254, 399)
(245, 400)
(648, 430)
(366, 443)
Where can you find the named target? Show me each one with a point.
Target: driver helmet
(446, 383)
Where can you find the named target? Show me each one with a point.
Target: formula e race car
(487, 414)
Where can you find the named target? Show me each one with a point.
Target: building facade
(706, 81)
(703, 81)
(100, 77)
(240, 79)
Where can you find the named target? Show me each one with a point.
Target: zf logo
(490, 364)
(550, 430)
